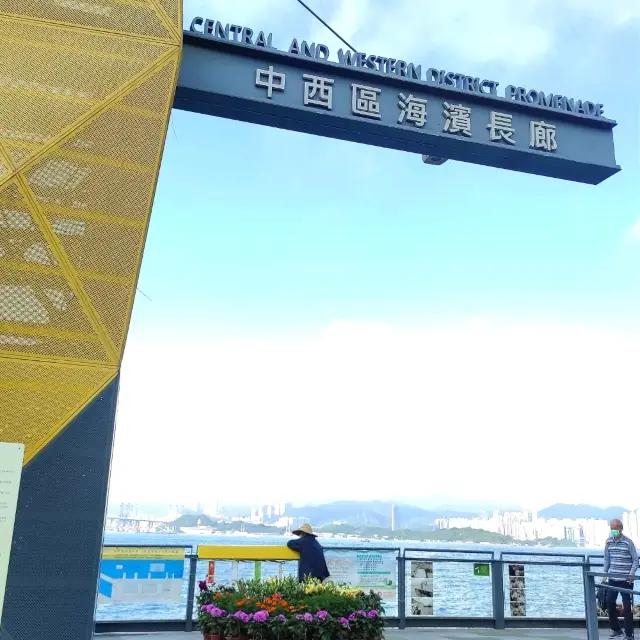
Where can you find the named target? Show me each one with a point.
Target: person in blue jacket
(312, 563)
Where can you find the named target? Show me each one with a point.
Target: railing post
(402, 590)
(191, 591)
(497, 592)
(590, 603)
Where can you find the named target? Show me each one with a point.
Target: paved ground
(414, 634)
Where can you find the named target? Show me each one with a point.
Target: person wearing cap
(312, 563)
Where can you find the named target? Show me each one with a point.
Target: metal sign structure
(310, 94)
(86, 100)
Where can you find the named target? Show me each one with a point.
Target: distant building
(524, 525)
(631, 524)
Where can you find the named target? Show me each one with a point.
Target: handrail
(440, 550)
(547, 554)
(590, 597)
(246, 552)
(497, 559)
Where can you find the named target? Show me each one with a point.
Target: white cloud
(460, 32)
(614, 13)
(478, 411)
(634, 232)
(251, 13)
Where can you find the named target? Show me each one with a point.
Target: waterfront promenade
(412, 634)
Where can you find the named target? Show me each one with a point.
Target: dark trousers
(612, 598)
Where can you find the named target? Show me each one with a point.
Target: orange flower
(218, 596)
(239, 603)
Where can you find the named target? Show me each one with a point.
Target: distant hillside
(574, 511)
(441, 535)
(374, 514)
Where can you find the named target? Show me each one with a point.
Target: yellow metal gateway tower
(86, 88)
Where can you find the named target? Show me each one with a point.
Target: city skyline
(525, 526)
(439, 333)
(199, 506)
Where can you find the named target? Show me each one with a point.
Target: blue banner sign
(392, 105)
(141, 574)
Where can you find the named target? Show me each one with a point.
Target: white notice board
(11, 459)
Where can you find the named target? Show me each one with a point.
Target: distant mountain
(575, 511)
(374, 514)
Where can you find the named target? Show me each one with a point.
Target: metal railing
(477, 603)
(591, 600)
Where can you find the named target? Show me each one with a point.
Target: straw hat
(305, 528)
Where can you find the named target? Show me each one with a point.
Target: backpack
(601, 598)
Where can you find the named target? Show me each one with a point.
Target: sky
(325, 320)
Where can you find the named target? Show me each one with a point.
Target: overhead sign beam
(264, 85)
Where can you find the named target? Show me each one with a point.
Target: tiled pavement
(412, 634)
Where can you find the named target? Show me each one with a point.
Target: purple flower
(299, 616)
(242, 616)
(352, 617)
(281, 618)
(261, 616)
(344, 622)
(322, 614)
(307, 617)
(203, 585)
(373, 613)
(362, 613)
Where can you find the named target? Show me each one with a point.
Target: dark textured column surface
(57, 540)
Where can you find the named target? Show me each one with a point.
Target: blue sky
(300, 283)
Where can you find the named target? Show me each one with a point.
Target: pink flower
(362, 613)
(352, 617)
(322, 614)
(307, 617)
(344, 622)
(242, 616)
(373, 613)
(261, 616)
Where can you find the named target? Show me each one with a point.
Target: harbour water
(551, 591)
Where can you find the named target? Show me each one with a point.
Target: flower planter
(212, 636)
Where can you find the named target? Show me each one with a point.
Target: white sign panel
(366, 570)
(11, 460)
(421, 588)
(141, 574)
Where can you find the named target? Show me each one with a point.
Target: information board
(134, 574)
(11, 459)
(517, 590)
(367, 570)
(421, 588)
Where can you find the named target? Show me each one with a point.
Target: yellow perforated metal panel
(86, 88)
(38, 395)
